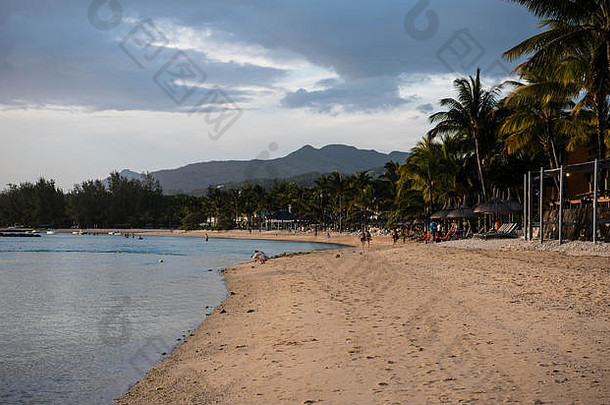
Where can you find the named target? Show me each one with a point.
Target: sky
(88, 87)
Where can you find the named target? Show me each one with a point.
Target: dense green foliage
(334, 201)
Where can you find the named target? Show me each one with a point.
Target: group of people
(435, 232)
(365, 238)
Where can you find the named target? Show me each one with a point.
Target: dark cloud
(50, 53)
(425, 108)
(359, 95)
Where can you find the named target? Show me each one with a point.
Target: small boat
(50, 232)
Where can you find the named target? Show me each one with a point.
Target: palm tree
(363, 193)
(422, 171)
(578, 30)
(454, 173)
(469, 116)
(539, 116)
(587, 71)
(340, 186)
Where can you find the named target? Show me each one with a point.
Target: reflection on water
(84, 317)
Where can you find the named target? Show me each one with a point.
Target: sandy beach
(409, 323)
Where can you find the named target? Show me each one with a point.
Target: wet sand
(410, 323)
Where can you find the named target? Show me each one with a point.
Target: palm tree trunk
(608, 50)
(479, 167)
(552, 165)
(600, 116)
(555, 162)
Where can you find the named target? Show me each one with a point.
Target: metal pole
(541, 204)
(595, 191)
(525, 206)
(561, 204)
(529, 206)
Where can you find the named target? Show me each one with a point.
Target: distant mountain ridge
(303, 163)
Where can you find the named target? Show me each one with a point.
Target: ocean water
(82, 318)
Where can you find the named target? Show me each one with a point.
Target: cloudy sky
(87, 87)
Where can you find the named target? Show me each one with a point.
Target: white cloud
(223, 47)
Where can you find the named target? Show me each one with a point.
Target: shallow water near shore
(84, 317)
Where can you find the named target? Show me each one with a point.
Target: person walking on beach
(368, 238)
(362, 238)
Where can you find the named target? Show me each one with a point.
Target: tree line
(482, 141)
(336, 200)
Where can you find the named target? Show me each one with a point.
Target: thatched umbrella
(464, 212)
(514, 206)
(493, 207)
(481, 208)
(440, 214)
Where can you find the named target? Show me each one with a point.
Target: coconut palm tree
(339, 184)
(362, 198)
(586, 71)
(578, 30)
(539, 116)
(422, 171)
(469, 116)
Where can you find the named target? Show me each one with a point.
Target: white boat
(50, 232)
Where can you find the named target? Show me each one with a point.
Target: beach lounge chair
(505, 231)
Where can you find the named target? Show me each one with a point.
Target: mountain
(305, 163)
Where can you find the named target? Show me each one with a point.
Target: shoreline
(575, 248)
(389, 324)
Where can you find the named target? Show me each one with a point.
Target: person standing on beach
(368, 238)
(432, 229)
(362, 238)
(394, 236)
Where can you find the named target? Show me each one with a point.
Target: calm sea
(84, 317)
